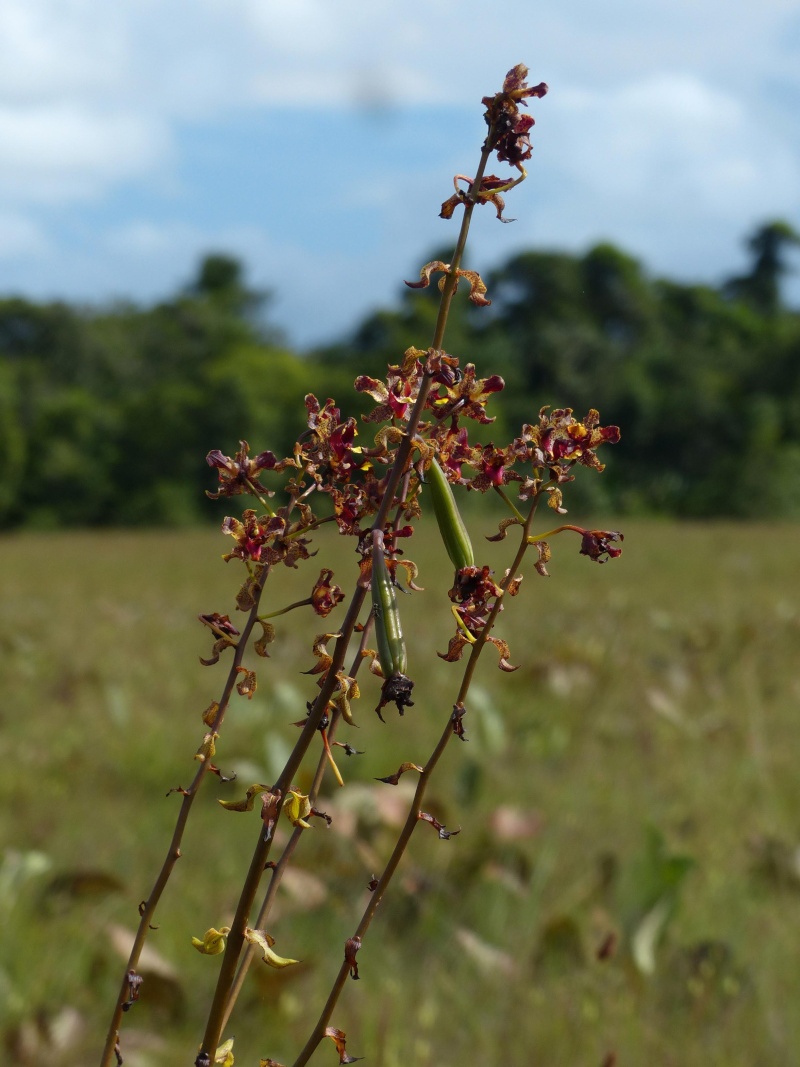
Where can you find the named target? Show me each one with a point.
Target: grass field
(636, 778)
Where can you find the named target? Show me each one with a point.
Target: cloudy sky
(316, 139)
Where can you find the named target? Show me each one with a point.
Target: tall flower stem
(222, 1004)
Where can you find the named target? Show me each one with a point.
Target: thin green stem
(289, 607)
(315, 525)
(533, 538)
(509, 503)
(264, 504)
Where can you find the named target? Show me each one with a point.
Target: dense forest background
(106, 414)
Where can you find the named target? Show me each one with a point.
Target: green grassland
(635, 779)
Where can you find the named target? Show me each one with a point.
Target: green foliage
(641, 729)
(105, 415)
(704, 382)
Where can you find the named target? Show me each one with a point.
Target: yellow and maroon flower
(466, 397)
(329, 448)
(395, 396)
(494, 467)
(269, 538)
(240, 474)
(324, 595)
(250, 535)
(560, 441)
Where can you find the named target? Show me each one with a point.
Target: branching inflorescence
(374, 491)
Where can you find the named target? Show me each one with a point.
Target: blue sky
(316, 139)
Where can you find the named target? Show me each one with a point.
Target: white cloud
(674, 141)
(61, 151)
(54, 49)
(167, 60)
(661, 131)
(21, 238)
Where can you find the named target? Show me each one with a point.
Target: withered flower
(508, 128)
(598, 544)
(134, 989)
(395, 690)
(324, 596)
(220, 625)
(457, 719)
(351, 947)
(394, 779)
(444, 833)
(474, 594)
(488, 193)
(224, 631)
(240, 474)
(339, 1039)
(477, 289)
(351, 504)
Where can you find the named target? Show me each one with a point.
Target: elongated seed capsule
(451, 525)
(388, 630)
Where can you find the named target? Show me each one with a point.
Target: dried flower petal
(246, 804)
(457, 719)
(264, 941)
(223, 1057)
(320, 650)
(267, 637)
(338, 1037)
(393, 779)
(444, 833)
(297, 808)
(210, 714)
(351, 947)
(324, 596)
(208, 747)
(213, 941)
(247, 685)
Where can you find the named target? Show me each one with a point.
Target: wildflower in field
(240, 474)
(512, 128)
(599, 544)
(324, 596)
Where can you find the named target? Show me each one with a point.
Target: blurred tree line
(106, 415)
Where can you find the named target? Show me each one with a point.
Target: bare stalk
(148, 907)
(288, 851)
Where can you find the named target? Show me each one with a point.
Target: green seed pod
(389, 636)
(451, 525)
(388, 630)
